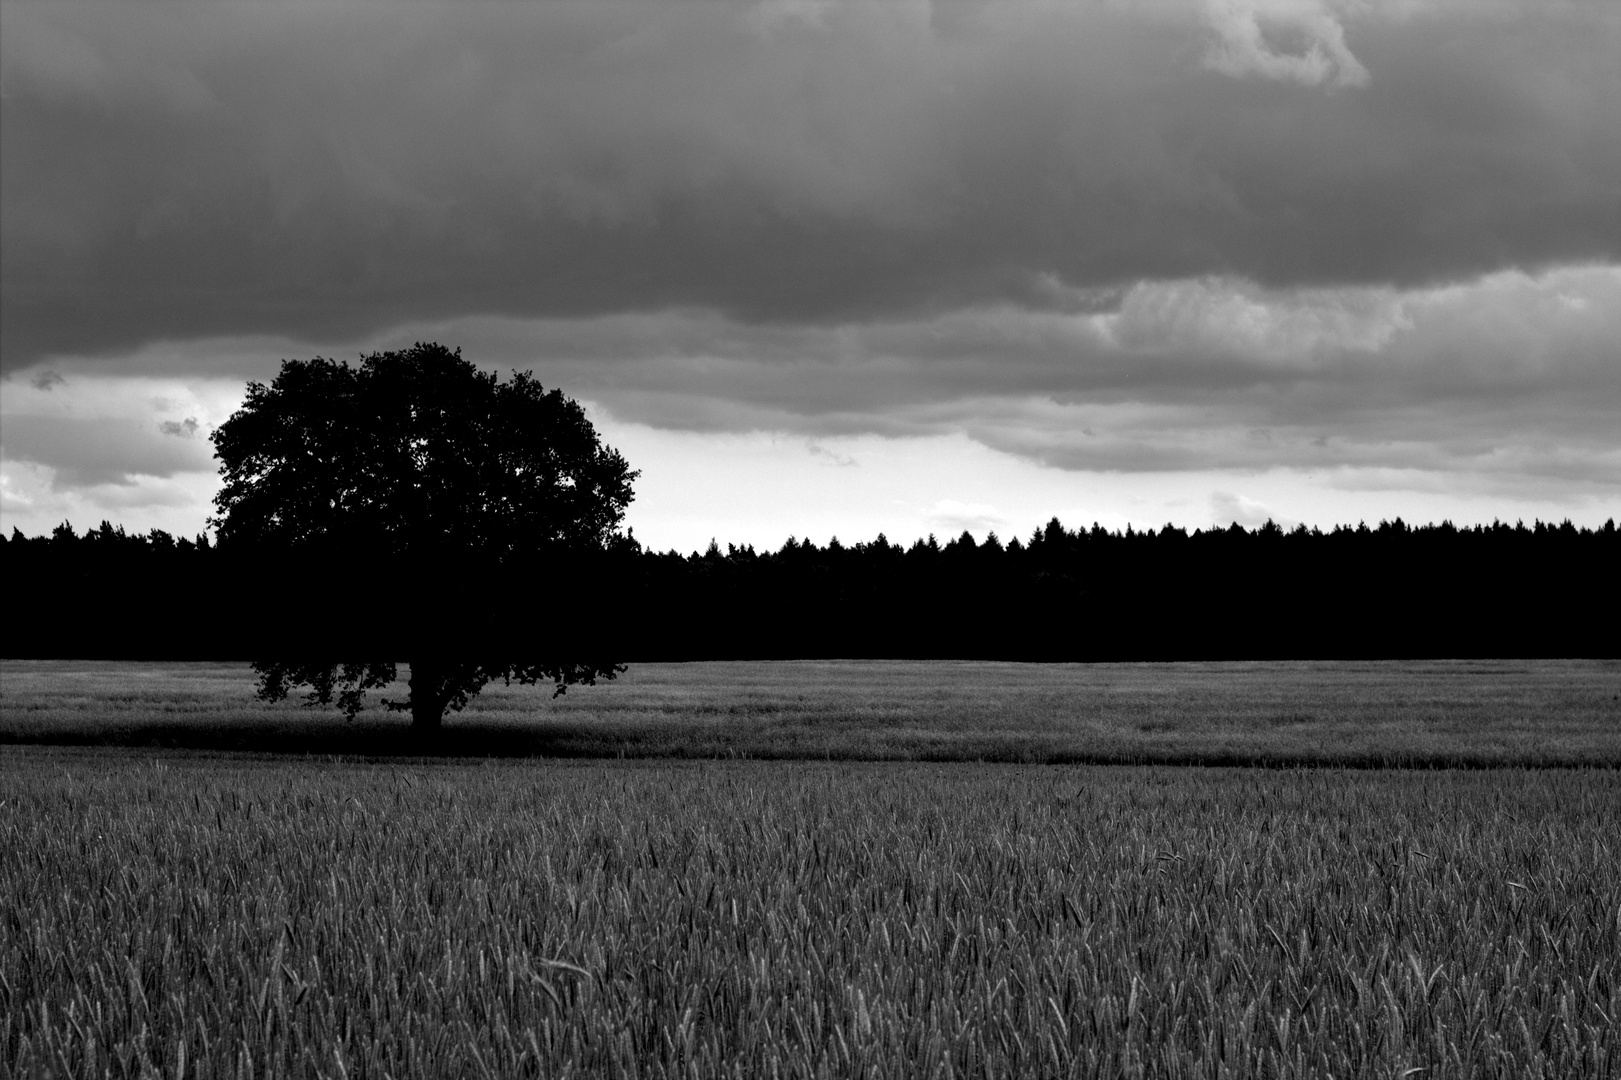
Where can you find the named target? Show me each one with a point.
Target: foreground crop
(208, 918)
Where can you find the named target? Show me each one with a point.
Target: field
(1432, 714)
(188, 887)
(239, 917)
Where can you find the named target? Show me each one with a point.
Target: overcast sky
(827, 268)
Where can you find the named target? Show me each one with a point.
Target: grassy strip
(203, 918)
(1437, 714)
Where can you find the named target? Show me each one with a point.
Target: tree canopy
(425, 478)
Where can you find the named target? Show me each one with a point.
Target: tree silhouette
(430, 482)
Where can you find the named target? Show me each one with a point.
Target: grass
(1433, 714)
(195, 884)
(200, 915)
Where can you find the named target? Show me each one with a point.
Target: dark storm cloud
(1510, 374)
(324, 173)
(1510, 380)
(1503, 340)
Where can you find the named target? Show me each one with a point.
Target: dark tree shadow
(380, 739)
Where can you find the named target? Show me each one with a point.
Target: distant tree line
(1087, 594)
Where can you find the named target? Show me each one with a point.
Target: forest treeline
(1393, 590)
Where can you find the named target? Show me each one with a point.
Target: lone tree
(423, 504)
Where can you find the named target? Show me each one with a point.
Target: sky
(827, 268)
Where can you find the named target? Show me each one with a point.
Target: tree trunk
(427, 698)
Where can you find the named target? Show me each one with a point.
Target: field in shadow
(1353, 714)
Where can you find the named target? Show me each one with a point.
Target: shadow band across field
(1443, 714)
(362, 741)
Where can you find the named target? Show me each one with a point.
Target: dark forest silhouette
(1393, 590)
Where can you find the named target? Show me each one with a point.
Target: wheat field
(197, 915)
(1360, 713)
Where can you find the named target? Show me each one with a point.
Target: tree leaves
(415, 471)
(415, 453)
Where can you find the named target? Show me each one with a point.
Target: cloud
(1509, 379)
(1372, 245)
(184, 429)
(1287, 40)
(322, 174)
(832, 457)
(99, 431)
(1227, 509)
(84, 452)
(1508, 375)
(953, 518)
(90, 445)
(19, 486)
(35, 499)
